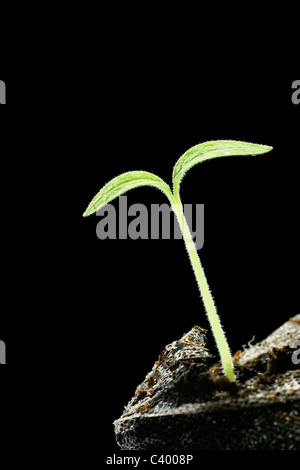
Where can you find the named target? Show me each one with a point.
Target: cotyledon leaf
(123, 183)
(213, 149)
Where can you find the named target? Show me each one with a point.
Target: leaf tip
(260, 149)
(89, 210)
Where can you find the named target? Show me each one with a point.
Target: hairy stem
(205, 292)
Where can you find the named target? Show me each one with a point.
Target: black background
(88, 318)
(137, 296)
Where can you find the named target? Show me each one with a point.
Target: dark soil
(186, 403)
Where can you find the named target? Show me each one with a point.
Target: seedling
(132, 179)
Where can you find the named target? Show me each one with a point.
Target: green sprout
(196, 154)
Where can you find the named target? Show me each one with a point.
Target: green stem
(205, 292)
